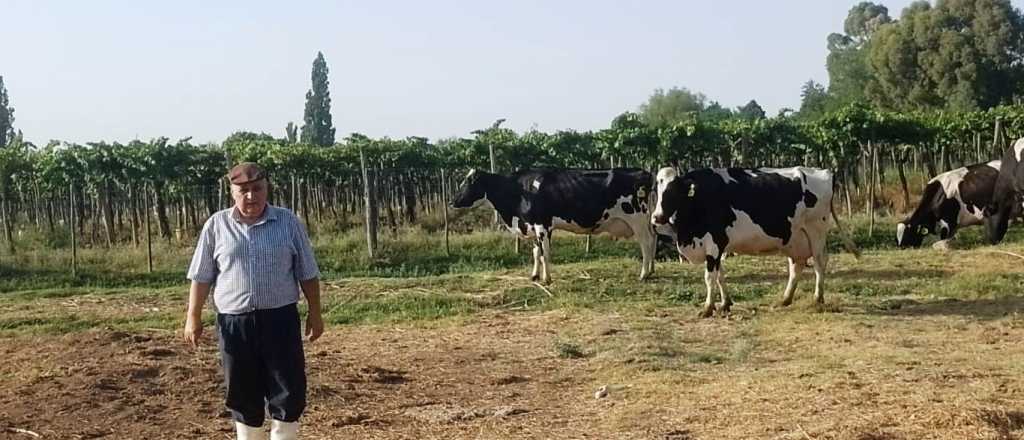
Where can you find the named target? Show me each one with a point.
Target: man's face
(250, 198)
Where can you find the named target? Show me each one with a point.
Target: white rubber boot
(284, 430)
(246, 432)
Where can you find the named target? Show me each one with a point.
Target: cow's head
(910, 234)
(675, 197)
(471, 191)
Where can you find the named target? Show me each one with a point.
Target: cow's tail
(848, 243)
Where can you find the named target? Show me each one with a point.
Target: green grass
(399, 309)
(415, 280)
(59, 324)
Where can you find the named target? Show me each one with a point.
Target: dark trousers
(264, 366)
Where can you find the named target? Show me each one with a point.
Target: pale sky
(83, 71)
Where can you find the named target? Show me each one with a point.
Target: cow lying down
(748, 211)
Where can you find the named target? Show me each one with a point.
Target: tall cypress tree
(7, 117)
(318, 129)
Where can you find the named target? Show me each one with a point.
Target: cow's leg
(538, 250)
(652, 241)
(796, 268)
(709, 308)
(544, 238)
(546, 262)
(820, 264)
(645, 235)
(726, 303)
(711, 273)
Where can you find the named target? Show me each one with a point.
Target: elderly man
(258, 256)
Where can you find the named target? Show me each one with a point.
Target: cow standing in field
(951, 200)
(1006, 196)
(533, 203)
(748, 211)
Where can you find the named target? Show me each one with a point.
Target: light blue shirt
(254, 266)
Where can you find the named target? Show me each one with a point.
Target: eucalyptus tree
(958, 55)
(848, 71)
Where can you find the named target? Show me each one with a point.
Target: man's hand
(193, 331)
(314, 326)
(314, 319)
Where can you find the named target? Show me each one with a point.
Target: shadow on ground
(853, 274)
(979, 308)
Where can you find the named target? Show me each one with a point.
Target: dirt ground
(916, 370)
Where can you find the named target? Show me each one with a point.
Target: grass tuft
(569, 350)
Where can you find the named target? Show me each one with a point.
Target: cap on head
(246, 172)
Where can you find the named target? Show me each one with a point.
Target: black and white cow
(533, 203)
(951, 200)
(1006, 196)
(748, 211)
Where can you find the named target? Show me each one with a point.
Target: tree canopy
(750, 111)
(957, 55)
(814, 101)
(663, 108)
(846, 63)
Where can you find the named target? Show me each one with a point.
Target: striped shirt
(254, 266)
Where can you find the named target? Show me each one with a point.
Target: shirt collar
(269, 213)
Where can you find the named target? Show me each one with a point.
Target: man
(258, 256)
